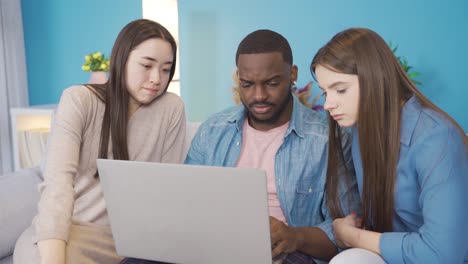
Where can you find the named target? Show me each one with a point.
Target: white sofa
(19, 197)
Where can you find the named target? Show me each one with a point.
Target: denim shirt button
(237, 144)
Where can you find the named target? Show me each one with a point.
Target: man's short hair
(265, 41)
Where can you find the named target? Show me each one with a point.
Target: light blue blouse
(431, 191)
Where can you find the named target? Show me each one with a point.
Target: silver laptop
(187, 214)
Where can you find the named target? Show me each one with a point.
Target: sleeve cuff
(327, 228)
(390, 247)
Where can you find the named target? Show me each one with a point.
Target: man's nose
(260, 93)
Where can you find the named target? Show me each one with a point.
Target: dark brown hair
(114, 92)
(384, 87)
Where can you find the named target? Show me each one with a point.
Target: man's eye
(245, 84)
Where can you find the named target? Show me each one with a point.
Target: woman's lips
(337, 117)
(151, 90)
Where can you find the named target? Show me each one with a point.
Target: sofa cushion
(7, 260)
(190, 132)
(18, 205)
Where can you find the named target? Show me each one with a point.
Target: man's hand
(284, 239)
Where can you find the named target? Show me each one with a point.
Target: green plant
(96, 62)
(405, 65)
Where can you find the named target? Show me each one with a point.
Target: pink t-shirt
(258, 151)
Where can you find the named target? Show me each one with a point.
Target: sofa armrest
(18, 205)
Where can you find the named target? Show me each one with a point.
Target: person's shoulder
(224, 118)
(434, 126)
(431, 118)
(167, 103)
(315, 122)
(170, 99)
(79, 94)
(436, 138)
(229, 114)
(76, 90)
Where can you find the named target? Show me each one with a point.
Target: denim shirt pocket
(307, 203)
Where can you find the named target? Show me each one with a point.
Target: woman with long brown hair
(410, 157)
(131, 117)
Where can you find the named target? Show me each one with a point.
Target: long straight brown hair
(384, 87)
(114, 92)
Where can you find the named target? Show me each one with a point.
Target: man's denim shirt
(300, 163)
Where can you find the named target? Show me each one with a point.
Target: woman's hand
(348, 233)
(346, 230)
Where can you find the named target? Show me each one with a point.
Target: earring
(293, 87)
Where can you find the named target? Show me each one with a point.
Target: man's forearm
(314, 242)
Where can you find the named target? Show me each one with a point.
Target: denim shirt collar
(409, 119)
(295, 123)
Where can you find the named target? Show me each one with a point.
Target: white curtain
(13, 79)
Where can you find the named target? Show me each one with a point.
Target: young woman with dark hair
(410, 157)
(131, 117)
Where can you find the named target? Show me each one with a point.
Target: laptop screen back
(187, 214)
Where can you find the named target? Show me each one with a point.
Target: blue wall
(58, 34)
(432, 35)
